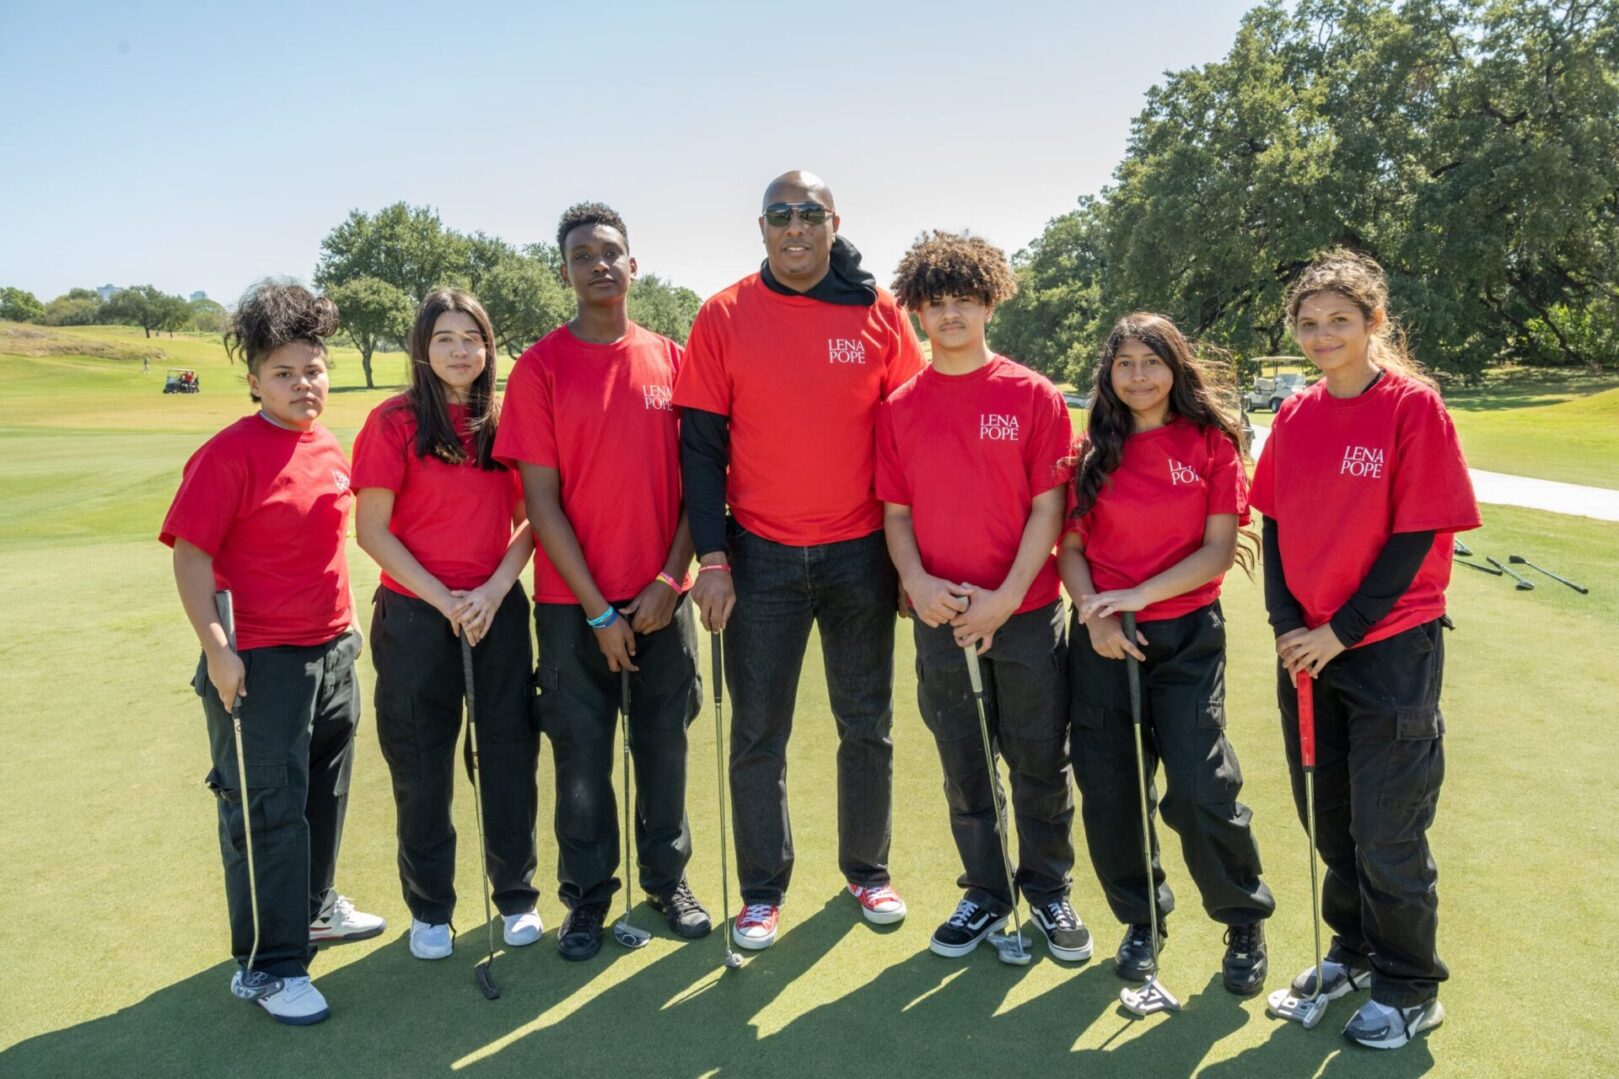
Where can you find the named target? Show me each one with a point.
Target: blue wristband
(605, 619)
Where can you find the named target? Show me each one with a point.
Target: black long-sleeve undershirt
(705, 453)
(1391, 574)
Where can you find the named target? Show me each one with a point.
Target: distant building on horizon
(198, 295)
(107, 292)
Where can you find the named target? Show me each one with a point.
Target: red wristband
(723, 566)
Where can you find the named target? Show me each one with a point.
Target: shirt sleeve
(1432, 491)
(891, 482)
(701, 381)
(1050, 459)
(208, 501)
(1070, 503)
(1228, 480)
(1262, 494)
(527, 432)
(379, 451)
(905, 358)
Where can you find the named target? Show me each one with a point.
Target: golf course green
(113, 956)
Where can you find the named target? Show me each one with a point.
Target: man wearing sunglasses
(783, 374)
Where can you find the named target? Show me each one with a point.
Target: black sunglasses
(778, 214)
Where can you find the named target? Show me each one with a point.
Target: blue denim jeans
(849, 591)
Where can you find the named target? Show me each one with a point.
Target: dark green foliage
(147, 307)
(19, 305)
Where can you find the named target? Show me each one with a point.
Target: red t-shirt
(1152, 511)
(1341, 475)
(601, 416)
(456, 519)
(969, 454)
(800, 381)
(271, 506)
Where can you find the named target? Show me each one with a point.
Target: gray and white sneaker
(1338, 980)
(1379, 1026)
(969, 925)
(293, 1001)
(1066, 936)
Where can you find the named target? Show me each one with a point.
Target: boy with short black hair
(589, 424)
(973, 455)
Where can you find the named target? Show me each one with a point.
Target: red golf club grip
(1306, 719)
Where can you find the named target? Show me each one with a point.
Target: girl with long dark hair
(1160, 503)
(445, 522)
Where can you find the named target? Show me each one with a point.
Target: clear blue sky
(203, 146)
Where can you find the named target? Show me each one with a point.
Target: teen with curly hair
(972, 464)
(1160, 500)
(1362, 484)
(445, 522)
(262, 511)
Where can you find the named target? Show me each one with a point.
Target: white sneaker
(294, 1001)
(430, 941)
(522, 928)
(343, 923)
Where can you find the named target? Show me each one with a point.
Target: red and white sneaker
(342, 923)
(755, 928)
(879, 903)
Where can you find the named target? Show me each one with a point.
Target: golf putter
(1458, 547)
(1475, 565)
(1285, 1003)
(1010, 947)
(624, 931)
(733, 961)
(1524, 583)
(1519, 560)
(483, 972)
(1153, 996)
(226, 611)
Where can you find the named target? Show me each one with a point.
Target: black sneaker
(686, 916)
(1135, 961)
(970, 924)
(1381, 1027)
(1243, 969)
(1066, 936)
(581, 934)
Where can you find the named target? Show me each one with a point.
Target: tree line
(1471, 147)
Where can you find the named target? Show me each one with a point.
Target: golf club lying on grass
(1461, 548)
(1010, 947)
(249, 986)
(1481, 569)
(1524, 583)
(623, 931)
(1519, 560)
(1153, 996)
(1286, 1003)
(733, 961)
(483, 972)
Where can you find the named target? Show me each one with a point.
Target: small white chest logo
(1361, 461)
(998, 426)
(658, 397)
(341, 479)
(845, 350)
(1179, 474)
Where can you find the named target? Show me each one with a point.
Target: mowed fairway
(112, 934)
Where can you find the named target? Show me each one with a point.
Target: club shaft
(477, 787)
(975, 675)
(226, 609)
(716, 651)
(1306, 702)
(1133, 676)
(1524, 583)
(1481, 569)
(624, 731)
(1581, 589)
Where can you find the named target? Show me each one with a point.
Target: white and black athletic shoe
(1382, 1027)
(969, 925)
(1066, 936)
(293, 1001)
(1338, 980)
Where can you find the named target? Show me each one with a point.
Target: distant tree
(407, 247)
(372, 313)
(662, 307)
(1053, 323)
(147, 307)
(525, 300)
(207, 316)
(19, 305)
(76, 307)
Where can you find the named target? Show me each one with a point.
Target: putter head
(1306, 1011)
(733, 961)
(1151, 997)
(630, 936)
(1525, 586)
(1517, 559)
(486, 980)
(1011, 949)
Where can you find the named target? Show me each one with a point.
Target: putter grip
(227, 615)
(1306, 686)
(1132, 666)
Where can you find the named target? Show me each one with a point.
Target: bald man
(780, 385)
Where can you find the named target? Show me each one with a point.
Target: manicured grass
(111, 917)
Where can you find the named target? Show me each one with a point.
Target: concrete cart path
(1601, 503)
